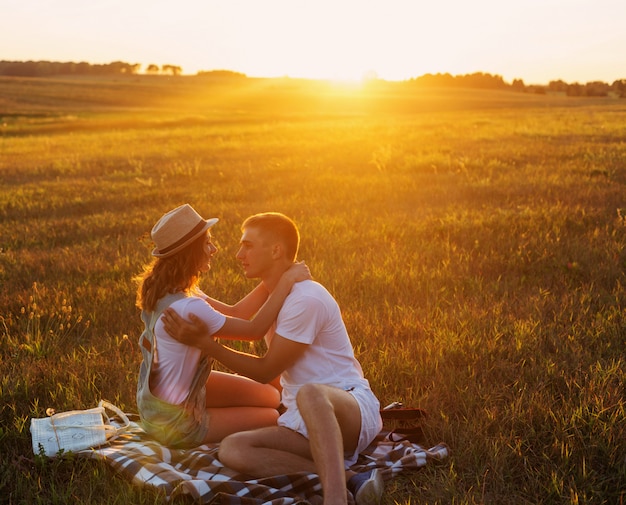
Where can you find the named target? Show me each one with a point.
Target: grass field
(475, 241)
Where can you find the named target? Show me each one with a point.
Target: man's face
(255, 254)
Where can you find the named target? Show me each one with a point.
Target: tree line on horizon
(479, 80)
(489, 81)
(53, 68)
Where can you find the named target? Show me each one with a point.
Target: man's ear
(277, 250)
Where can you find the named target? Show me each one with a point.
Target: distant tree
(121, 67)
(619, 87)
(152, 69)
(116, 67)
(596, 88)
(536, 89)
(575, 89)
(221, 74)
(83, 68)
(475, 80)
(482, 80)
(518, 85)
(434, 80)
(48, 68)
(65, 68)
(171, 69)
(44, 68)
(98, 69)
(22, 68)
(557, 86)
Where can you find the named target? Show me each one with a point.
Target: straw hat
(177, 229)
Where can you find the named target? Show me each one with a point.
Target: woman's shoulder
(200, 308)
(190, 303)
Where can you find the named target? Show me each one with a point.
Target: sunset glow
(537, 40)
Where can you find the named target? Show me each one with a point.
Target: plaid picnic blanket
(198, 473)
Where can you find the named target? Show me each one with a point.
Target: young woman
(181, 402)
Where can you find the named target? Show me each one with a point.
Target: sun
(340, 41)
(324, 60)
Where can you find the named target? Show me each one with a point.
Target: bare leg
(229, 390)
(224, 421)
(333, 420)
(266, 452)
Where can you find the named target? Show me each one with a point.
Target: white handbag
(76, 430)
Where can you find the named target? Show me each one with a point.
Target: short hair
(279, 227)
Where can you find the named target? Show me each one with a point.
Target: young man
(331, 413)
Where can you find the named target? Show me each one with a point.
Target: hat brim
(207, 224)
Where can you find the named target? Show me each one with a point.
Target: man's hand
(191, 333)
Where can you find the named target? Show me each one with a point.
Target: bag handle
(101, 427)
(114, 431)
(107, 405)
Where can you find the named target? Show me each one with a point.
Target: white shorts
(371, 422)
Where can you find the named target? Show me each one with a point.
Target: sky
(534, 40)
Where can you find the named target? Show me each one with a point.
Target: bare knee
(313, 397)
(274, 395)
(234, 451)
(319, 402)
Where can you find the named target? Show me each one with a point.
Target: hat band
(185, 238)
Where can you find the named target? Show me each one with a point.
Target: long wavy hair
(177, 273)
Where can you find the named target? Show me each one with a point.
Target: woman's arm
(244, 308)
(193, 333)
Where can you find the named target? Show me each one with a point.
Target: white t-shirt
(175, 363)
(310, 315)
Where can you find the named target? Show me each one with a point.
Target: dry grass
(476, 247)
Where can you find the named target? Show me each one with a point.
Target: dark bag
(404, 423)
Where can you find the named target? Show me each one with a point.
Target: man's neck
(270, 280)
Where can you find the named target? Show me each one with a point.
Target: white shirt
(310, 315)
(175, 363)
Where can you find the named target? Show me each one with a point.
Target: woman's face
(209, 250)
